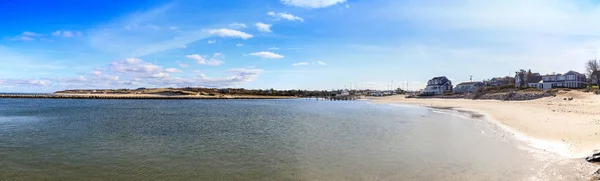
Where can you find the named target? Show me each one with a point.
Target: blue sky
(287, 44)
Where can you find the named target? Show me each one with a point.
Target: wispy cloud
(28, 33)
(262, 27)
(269, 55)
(172, 70)
(300, 64)
(215, 60)
(223, 32)
(238, 25)
(146, 38)
(312, 3)
(321, 63)
(26, 36)
(212, 41)
(286, 16)
(66, 33)
(239, 45)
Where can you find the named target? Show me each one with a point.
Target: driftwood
(594, 158)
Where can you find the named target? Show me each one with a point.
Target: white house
(468, 87)
(570, 79)
(437, 86)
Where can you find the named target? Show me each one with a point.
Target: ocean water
(43, 139)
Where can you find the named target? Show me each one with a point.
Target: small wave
(9, 122)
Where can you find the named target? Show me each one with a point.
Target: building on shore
(571, 79)
(468, 87)
(530, 81)
(501, 81)
(437, 86)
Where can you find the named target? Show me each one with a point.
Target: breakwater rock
(513, 96)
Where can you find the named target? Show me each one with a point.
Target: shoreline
(134, 96)
(569, 129)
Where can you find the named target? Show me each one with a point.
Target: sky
(47, 46)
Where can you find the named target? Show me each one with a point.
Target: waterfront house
(468, 87)
(571, 79)
(500, 81)
(437, 86)
(530, 81)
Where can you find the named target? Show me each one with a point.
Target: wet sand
(569, 128)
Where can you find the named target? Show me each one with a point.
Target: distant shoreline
(135, 96)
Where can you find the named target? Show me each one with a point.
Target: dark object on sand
(594, 158)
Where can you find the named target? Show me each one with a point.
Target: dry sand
(568, 128)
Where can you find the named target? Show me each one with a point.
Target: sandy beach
(568, 128)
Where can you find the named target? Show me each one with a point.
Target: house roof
(502, 78)
(572, 72)
(441, 80)
(534, 79)
(470, 83)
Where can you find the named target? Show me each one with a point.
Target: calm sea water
(259, 140)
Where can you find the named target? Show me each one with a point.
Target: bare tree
(593, 70)
(521, 74)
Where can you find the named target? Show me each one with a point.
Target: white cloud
(273, 48)
(27, 33)
(96, 73)
(286, 16)
(173, 28)
(26, 36)
(238, 25)
(239, 45)
(263, 27)
(22, 38)
(213, 61)
(39, 82)
(182, 65)
(223, 32)
(212, 41)
(199, 59)
(172, 70)
(161, 75)
(311, 3)
(269, 55)
(321, 63)
(135, 67)
(66, 34)
(300, 64)
(182, 46)
(26, 82)
(347, 6)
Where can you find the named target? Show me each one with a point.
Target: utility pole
(471, 78)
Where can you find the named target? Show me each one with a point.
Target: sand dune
(569, 128)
